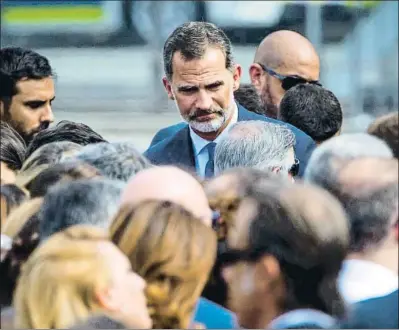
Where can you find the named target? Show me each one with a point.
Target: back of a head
(313, 109)
(13, 196)
(192, 39)
(306, 230)
(12, 147)
(22, 229)
(60, 173)
(43, 158)
(90, 202)
(368, 190)
(255, 144)
(247, 96)
(171, 184)
(172, 250)
(50, 153)
(42, 300)
(116, 160)
(327, 158)
(387, 128)
(64, 131)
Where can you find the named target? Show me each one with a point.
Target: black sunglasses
(287, 82)
(294, 170)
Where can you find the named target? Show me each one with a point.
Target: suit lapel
(180, 149)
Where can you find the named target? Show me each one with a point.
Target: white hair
(115, 160)
(321, 168)
(256, 144)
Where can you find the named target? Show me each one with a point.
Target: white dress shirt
(199, 144)
(360, 280)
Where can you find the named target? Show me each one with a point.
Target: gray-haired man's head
(201, 76)
(323, 165)
(117, 160)
(91, 202)
(347, 166)
(256, 144)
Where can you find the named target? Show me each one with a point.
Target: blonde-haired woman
(173, 251)
(74, 274)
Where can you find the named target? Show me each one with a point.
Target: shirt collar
(199, 143)
(362, 279)
(365, 268)
(302, 316)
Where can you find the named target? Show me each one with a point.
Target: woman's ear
(106, 299)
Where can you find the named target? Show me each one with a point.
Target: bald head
(287, 53)
(171, 184)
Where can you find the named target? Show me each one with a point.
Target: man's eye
(214, 87)
(188, 90)
(35, 105)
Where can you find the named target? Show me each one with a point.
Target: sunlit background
(107, 54)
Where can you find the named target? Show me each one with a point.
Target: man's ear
(268, 271)
(237, 77)
(255, 74)
(168, 88)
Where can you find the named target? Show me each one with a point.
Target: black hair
(12, 147)
(249, 98)
(17, 63)
(64, 131)
(192, 39)
(313, 109)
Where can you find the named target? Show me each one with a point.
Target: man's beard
(28, 136)
(268, 108)
(213, 125)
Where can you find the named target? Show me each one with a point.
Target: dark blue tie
(210, 166)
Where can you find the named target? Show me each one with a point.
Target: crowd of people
(253, 212)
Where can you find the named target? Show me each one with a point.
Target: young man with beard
(201, 78)
(27, 91)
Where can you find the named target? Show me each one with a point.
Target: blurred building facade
(111, 50)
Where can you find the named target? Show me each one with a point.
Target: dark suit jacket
(172, 145)
(376, 313)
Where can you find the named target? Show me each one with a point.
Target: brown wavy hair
(173, 251)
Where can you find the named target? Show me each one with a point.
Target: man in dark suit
(375, 313)
(201, 78)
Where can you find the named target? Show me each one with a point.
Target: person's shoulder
(163, 144)
(166, 132)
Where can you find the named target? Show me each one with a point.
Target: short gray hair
(322, 168)
(117, 160)
(90, 202)
(256, 144)
(192, 39)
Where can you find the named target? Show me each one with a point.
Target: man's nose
(204, 100)
(47, 114)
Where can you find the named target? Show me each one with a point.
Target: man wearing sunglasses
(283, 257)
(283, 60)
(258, 144)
